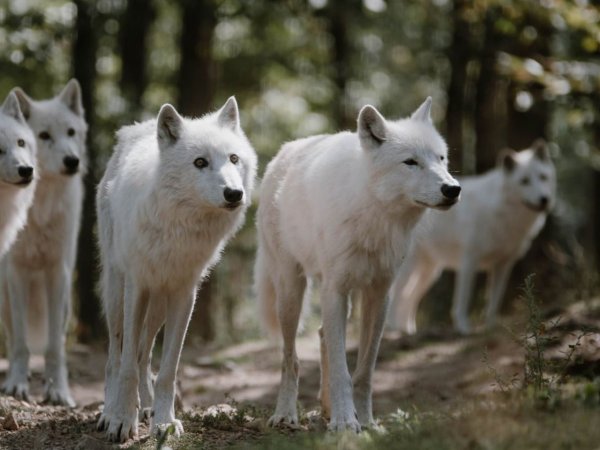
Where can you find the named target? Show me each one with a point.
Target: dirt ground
(432, 369)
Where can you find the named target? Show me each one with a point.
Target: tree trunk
(89, 312)
(196, 83)
(459, 55)
(135, 24)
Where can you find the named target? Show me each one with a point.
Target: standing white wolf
(500, 214)
(37, 272)
(174, 191)
(340, 209)
(17, 171)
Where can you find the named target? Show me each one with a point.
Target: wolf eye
(234, 158)
(201, 163)
(21, 143)
(71, 132)
(44, 135)
(525, 181)
(543, 177)
(411, 162)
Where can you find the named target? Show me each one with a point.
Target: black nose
(25, 172)
(544, 201)
(233, 195)
(71, 162)
(450, 191)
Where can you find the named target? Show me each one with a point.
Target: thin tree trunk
(196, 84)
(90, 325)
(459, 55)
(135, 24)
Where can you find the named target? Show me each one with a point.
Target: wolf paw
(122, 428)
(103, 422)
(145, 415)
(289, 419)
(346, 422)
(162, 430)
(57, 396)
(16, 389)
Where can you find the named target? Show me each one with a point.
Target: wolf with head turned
(341, 209)
(17, 171)
(37, 272)
(174, 192)
(502, 211)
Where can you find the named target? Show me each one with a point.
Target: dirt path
(419, 371)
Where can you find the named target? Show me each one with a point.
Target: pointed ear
(11, 107)
(71, 96)
(540, 150)
(423, 112)
(507, 159)
(371, 128)
(25, 103)
(169, 124)
(229, 116)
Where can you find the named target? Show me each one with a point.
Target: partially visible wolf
(37, 272)
(17, 171)
(501, 212)
(174, 191)
(341, 209)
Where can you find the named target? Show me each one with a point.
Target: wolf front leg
(17, 290)
(179, 311)
(335, 310)
(375, 302)
(463, 287)
(59, 298)
(497, 280)
(124, 420)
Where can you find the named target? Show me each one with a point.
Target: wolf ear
(423, 112)
(71, 96)
(371, 127)
(540, 150)
(24, 101)
(11, 107)
(229, 116)
(169, 124)
(507, 159)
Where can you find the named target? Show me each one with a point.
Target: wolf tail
(267, 299)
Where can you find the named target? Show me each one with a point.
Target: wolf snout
(26, 174)
(71, 164)
(451, 191)
(233, 196)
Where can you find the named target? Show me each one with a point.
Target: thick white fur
(16, 194)
(340, 209)
(162, 224)
(37, 272)
(499, 215)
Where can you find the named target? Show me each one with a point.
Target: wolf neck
(12, 200)
(50, 195)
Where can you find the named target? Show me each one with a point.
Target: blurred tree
(90, 325)
(133, 38)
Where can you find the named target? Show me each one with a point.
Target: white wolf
(17, 171)
(174, 191)
(500, 214)
(340, 209)
(36, 274)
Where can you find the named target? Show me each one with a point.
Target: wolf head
(17, 145)
(208, 161)
(60, 129)
(530, 176)
(409, 157)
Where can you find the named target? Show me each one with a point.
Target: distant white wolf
(17, 171)
(37, 272)
(501, 212)
(174, 192)
(340, 209)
